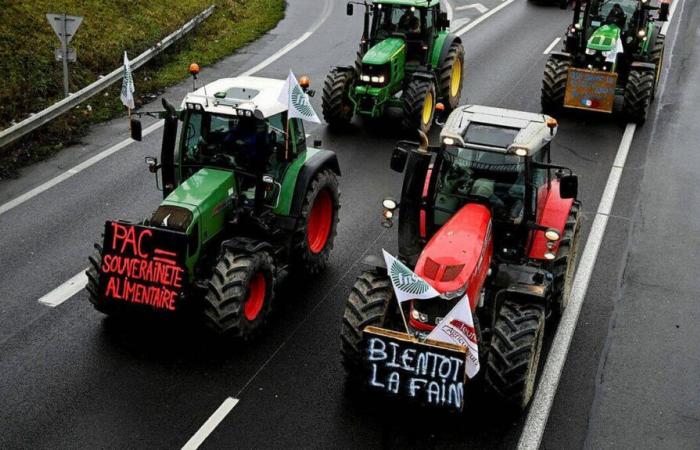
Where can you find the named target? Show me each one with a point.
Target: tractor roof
(227, 95)
(416, 3)
(497, 128)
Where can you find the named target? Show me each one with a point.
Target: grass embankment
(33, 80)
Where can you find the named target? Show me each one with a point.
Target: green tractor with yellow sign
(408, 60)
(613, 48)
(246, 201)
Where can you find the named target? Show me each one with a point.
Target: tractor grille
(367, 103)
(172, 217)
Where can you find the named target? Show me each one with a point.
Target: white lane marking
(65, 291)
(5, 207)
(478, 6)
(536, 421)
(448, 9)
(551, 46)
(483, 17)
(71, 172)
(211, 423)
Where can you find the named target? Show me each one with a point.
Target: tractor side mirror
(136, 130)
(398, 159)
(349, 9)
(568, 186)
(443, 21)
(664, 10)
(152, 164)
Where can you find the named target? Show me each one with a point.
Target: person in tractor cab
(409, 23)
(616, 16)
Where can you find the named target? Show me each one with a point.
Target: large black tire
(564, 266)
(514, 353)
(371, 302)
(93, 281)
(556, 73)
(337, 106)
(452, 66)
(418, 97)
(657, 57)
(318, 223)
(238, 283)
(638, 95)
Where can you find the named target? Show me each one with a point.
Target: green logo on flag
(406, 280)
(300, 102)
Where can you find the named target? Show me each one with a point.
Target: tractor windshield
(491, 177)
(226, 141)
(395, 19)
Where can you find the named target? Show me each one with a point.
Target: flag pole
(286, 140)
(403, 316)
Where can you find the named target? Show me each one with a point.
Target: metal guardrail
(36, 120)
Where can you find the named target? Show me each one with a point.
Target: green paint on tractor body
(605, 38)
(384, 52)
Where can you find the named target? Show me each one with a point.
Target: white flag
(407, 285)
(612, 56)
(297, 101)
(128, 89)
(457, 327)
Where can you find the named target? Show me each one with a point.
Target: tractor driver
(616, 16)
(409, 23)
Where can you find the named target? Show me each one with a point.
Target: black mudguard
(561, 55)
(324, 159)
(643, 66)
(449, 40)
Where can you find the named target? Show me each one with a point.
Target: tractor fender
(423, 75)
(323, 159)
(559, 55)
(643, 66)
(552, 214)
(524, 281)
(444, 48)
(344, 68)
(247, 245)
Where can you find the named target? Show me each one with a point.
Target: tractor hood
(605, 38)
(384, 51)
(459, 255)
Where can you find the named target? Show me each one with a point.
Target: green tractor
(245, 202)
(614, 47)
(407, 60)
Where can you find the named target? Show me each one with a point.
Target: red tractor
(485, 214)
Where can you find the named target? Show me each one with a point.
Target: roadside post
(65, 27)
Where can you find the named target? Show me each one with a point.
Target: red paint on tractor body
(552, 212)
(462, 250)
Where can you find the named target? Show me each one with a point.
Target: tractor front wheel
(419, 101)
(556, 73)
(564, 266)
(239, 294)
(638, 94)
(370, 303)
(451, 75)
(318, 223)
(515, 353)
(338, 109)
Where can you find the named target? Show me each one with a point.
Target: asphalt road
(71, 379)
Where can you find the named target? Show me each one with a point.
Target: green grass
(33, 80)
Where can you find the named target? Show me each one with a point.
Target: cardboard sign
(590, 90)
(143, 266)
(428, 373)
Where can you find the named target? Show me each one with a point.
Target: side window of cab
(299, 135)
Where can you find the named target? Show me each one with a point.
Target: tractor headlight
(419, 316)
(590, 51)
(642, 33)
(552, 235)
(389, 204)
(365, 78)
(375, 79)
(448, 141)
(549, 256)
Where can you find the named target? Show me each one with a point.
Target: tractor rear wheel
(318, 223)
(451, 76)
(338, 109)
(564, 266)
(556, 73)
(239, 294)
(638, 94)
(93, 281)
(370, 303)
(419, 101)
(514, 353)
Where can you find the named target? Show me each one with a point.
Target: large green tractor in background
(407, 60)
(613, 47)
(246, 201)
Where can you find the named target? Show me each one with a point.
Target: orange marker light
(552, 122)
(304, 81)
(439, 107)
(194, 69)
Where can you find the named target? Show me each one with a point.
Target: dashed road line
(212, 422)
(478, 6)
(551, 46)
(482, 18)
(65, 291)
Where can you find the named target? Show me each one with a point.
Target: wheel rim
(320, 221)
(256, 297)
(428, 108)
(456, 78)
